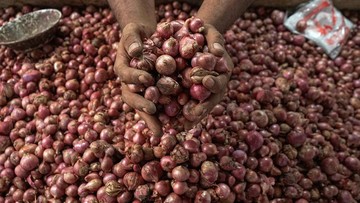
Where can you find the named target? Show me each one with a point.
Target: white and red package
(322, 23)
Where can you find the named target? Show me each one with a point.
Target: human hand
(216, 84)
(131, 46)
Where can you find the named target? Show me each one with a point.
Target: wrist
(146, 28)
(134, 11)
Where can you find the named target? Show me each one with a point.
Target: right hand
(131, 46)
(216, 84)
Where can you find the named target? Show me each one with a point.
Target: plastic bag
(322, 23)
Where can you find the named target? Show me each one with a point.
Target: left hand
(133, 35)
(216, 84)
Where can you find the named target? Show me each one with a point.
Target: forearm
(134, 11)
(222, 13)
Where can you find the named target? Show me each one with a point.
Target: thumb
(214, 40)
(131, 39)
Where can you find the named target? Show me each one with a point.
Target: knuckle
(219, 38)
(128, 38)
(118, 71)
(131, 27)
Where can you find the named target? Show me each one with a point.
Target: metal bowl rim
(36, 34)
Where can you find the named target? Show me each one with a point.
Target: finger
(136, 101)
(203, 109)
(132, 75)
(214, 40)
(215, 84)
(188, 125)
(131, 38)
(152, 122)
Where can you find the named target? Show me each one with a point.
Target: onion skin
(113, 188)
(132, 180)
(135, 154)
(168, 86)
(188, 47)
(143, 192)
(187, 110)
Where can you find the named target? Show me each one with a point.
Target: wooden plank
(341, 4)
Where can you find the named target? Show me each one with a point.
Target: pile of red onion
(178, 58)
(288, 129)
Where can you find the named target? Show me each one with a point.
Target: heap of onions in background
(287, 129)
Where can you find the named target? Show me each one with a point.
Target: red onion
(167, 163)
(81, 168)
(168, 86)
(196, 25)
(172, 109)
(135, 153)
(132, 180)
(202, 196)
(188, 47)
(151, 171)
(209, 171)
(29, 195)
(113, 188)
(143, 192)
(152, 93)
(162, 187)
(170, 47)
(180, 173)
(29, 162)
(165, 30)
(199, 92)
(179, 154)
(179, 188)
(255, 140)
(103, 197)
(172, 197)
(56, 192)
(223, 191)
(352, 163)
(93, 185)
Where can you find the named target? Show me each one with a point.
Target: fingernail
(145, 110)
(150, 110)
(133, 46)
(210, 82)
(143, 79)
(199, 111)
(218, 46)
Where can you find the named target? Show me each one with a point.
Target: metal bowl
(30, 30)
